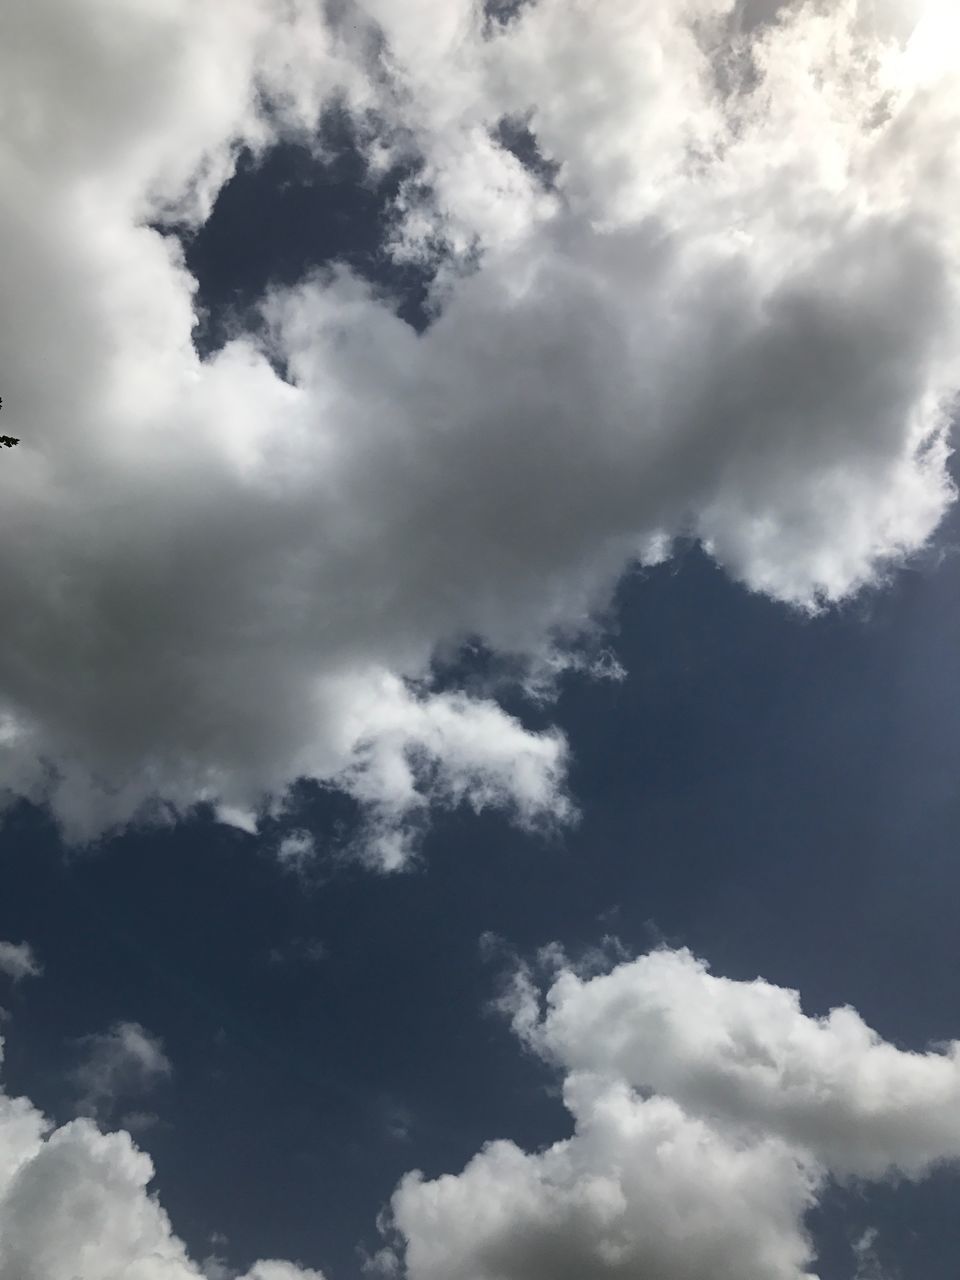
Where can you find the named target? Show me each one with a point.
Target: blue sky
(481, 589)
(775, 794)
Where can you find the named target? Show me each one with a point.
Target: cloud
(708, 1117)
(17, 961)
(273, 1270)
(398, 1120)
(138, 1121)
(864, 1251)
(745, 1054)
(75, 1205)
(640, 1189)
(296, 852)
(124, 1062)
(730, 314)
(297, 951)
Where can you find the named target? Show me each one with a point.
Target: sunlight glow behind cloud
(730, 316)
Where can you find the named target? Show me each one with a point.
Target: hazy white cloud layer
(708, 1117)
(731, 313)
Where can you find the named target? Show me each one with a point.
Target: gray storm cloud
(730, 314)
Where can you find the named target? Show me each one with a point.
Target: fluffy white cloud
(708, 1115)
(641, 1189)
(74, 1205)
(745, 1053)
(273, 1270)
(116, 1065)
(17, 961)
(731, 314)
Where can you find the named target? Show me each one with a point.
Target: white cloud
(17, 961)
(708, 1116)
(75, 1205)
(733, 316)
(273, 1270)
(744, 1053)
(124, 1062)
(641, 1189)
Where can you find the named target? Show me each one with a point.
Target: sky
(478, 752)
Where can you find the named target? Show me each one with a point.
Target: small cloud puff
(126, 1061)
(18, 961)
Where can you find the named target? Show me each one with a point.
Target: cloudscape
(478, 763)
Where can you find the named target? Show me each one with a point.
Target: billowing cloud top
(723, 305)
(744, 1054)
(707, 1115)
(73, 1206)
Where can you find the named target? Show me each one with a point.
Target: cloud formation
(74, 1205)
(118, 1065)
(744, 1053)
(17, 961)
(708, 1117)
(723, 306)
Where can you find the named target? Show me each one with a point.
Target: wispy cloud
(17, 961)
(116, 1066)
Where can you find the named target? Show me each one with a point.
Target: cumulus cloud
(75, 1205)
(17, 961)
(642, 1189)
(275, 1270)
(708, 1117)
(722, 305)
(744, 1052)
(122, 1063)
